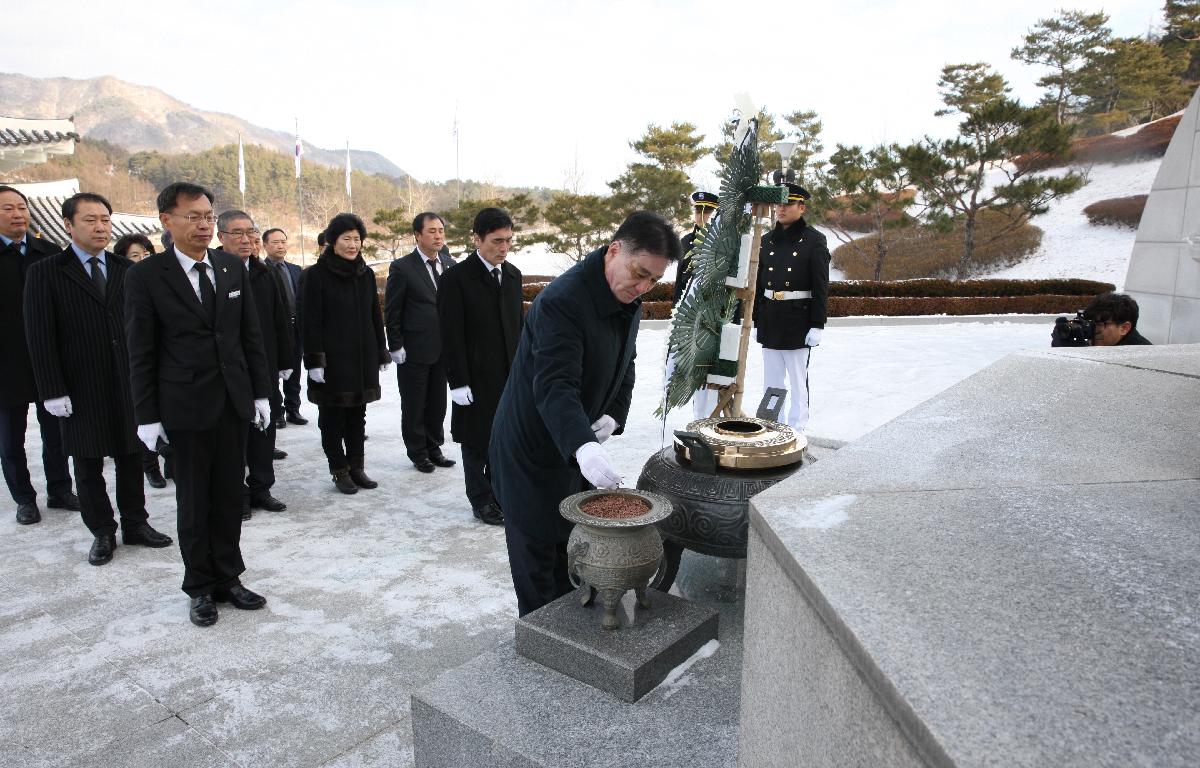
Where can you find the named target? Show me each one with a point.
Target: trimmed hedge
(1117, 211)
(894, 306)
(967, 288)
(1150, 141)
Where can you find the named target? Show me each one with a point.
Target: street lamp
(785, 150)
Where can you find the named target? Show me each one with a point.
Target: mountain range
(140, 117)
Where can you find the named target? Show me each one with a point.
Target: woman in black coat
(344, 348)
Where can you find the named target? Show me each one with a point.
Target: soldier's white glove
(150, 434)
(399, 356)
(813, 339)
(462, 396)
(384, 367)
(317, 375)
(596, 468)
(59, 406)
(604, 427)
(286, 373)
(262, 413)
(755, 332)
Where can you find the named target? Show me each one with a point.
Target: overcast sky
(542, 87)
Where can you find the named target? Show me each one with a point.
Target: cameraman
(1115, 316)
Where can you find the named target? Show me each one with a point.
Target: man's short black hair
(1113, 308)
(422, 217)
(647, 231)
(71, 204)
(272, 231)
(14, 190)
(127, 241)
(489, 220)
(169, 197)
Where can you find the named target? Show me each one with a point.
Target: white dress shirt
(193, 275)
(490, 267)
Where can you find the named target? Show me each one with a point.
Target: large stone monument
(1164, 269)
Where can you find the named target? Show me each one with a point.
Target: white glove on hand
(399, 356)
(384, 367)
(604, 427)
(262, 413)
(813, 339)
(149, 434)
(286, 373)
(462, 396)
(59, 406)
(317, 375)
(754, 332)
(594, 464)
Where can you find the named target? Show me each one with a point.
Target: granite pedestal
(626, 662)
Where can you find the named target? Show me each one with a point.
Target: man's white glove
(813, 339)
(595, 466)
(317, 375)
(262, 413)
(384, 367)
(59, 406)
(754, 332)
(604, 427)
(399, 356)
(286, 373)
(150, 434)
(462, 396)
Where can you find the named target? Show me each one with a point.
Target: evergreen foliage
(1067, 44)
(579, 223)
(660, 183)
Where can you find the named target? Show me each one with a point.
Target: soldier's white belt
(787, 295)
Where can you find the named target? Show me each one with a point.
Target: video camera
(1077, 332)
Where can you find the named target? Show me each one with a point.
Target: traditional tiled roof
(14, 137)
(24, 141)
(45, 213)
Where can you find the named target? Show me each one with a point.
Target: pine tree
(806, 131)
(519, 206)
(581, 223)
(1066, 44)
(952, 174)
(1181, 36)
(1133, 82)
(392, 239)
(661, 184)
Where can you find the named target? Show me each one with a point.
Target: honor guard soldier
(791, 305)
(704, 205)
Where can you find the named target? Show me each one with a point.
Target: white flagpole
(241, 172)
(300, 196)
(349, 192)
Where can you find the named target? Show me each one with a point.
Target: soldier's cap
(704, 200)
(797, 193)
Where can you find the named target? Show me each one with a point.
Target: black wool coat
(274, 320)
(182, 365)
(793, 258)
(683, 273)
(575, 363)
(17, 385)
(481, 326)
(77, 344)
(410, 305)
(343, 331)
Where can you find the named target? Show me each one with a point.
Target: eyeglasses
(250, 233)
(194, 219)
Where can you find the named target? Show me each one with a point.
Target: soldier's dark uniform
(792, 297)
(700, 201)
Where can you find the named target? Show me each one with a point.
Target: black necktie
(97, 275)
(288, 292)
(496, 274)
(433, 270)
(208, 296)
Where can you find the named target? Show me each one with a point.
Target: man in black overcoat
(275, 244)
(199, 376)
(791, 305)
(480, 308)
(75, 324)
(568, 391)
(236, 231)
(18, 250)
(415, 342)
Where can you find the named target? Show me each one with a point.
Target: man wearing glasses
(791, 303)
(199, 375)
(567, 392)
(239, 236)
(1115, 316)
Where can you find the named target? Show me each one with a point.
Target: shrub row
(1150, 141)
(1117, 211)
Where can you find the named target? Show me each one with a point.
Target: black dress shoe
(66, 501)
(280, 423)
(239, 597)
(294, 417)
(202, 611)
(278, 455)
(268, 502)
(145, 535)
(441, 460)
(423, 465)
(28, 514)
(490, 514)
(155, 479)
(102, 549)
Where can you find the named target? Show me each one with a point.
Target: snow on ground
(1073, 247)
